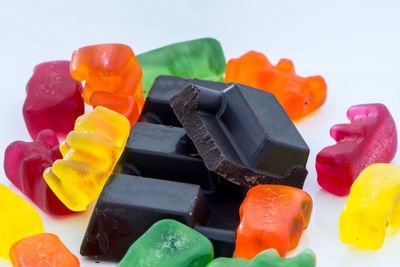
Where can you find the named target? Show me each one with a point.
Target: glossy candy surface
(272, 216)
(372, 210)
(169, 243)
(24, 163)
(268, 258)
(42, 250)
(298, 96)
(19, 220)
(53, 99)
(90, 153)
(200, 58)
(113, 78)
(371, 137)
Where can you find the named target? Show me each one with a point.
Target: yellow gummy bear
(90, 153)
(373, 207)
(19, 220)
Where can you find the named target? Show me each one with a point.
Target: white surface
(354, 46)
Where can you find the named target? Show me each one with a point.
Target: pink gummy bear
(24, 164)
(54, 100)
(370, 138)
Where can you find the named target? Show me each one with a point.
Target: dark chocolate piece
(221, 227)
(243, 134)
(164, 152)
(223, 240)
(129, 205)
(224, 204)
(157, 109)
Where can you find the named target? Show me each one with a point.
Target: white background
(354, 45)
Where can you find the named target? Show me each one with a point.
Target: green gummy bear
(268, 258)
(169, 243)
(200, 58)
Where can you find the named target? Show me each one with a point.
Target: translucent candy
(113, 78)
(272, 216)
(90, 153)
(371, 137)
(298, 96)
(53, 100)
(19, 220)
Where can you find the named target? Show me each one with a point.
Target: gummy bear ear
(47, 137)
(315, 83)
(12, 158)
(285, 65)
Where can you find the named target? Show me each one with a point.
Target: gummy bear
(272, 216)
(268, 258)
(113, 78)
(54, 99)
(90, 153)
(298, 96)
(24, 163)
(372, 210)
(19, 220)
(371, 137)
(169, 243)
(200, 58)
(42, 250)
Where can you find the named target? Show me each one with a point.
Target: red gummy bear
(24, 164)
(54, 99)
(272, 216)
(370, 138)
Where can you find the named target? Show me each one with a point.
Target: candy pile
(206, 167)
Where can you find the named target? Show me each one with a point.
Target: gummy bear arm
(12, 157)
(47, 137)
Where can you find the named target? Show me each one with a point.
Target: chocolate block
(224, 204)
(223, 240)
(221, 226)
(157, 108)
(243, 134)
(129, 205)
(164, 152)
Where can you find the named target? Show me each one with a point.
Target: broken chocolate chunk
(243, 134)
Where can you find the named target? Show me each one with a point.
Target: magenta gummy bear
(24, 164)
(54, 99)
(371, 137)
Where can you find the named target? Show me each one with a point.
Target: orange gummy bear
(298, 96)
(272, 216)
(113, 78)
(42, 250)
